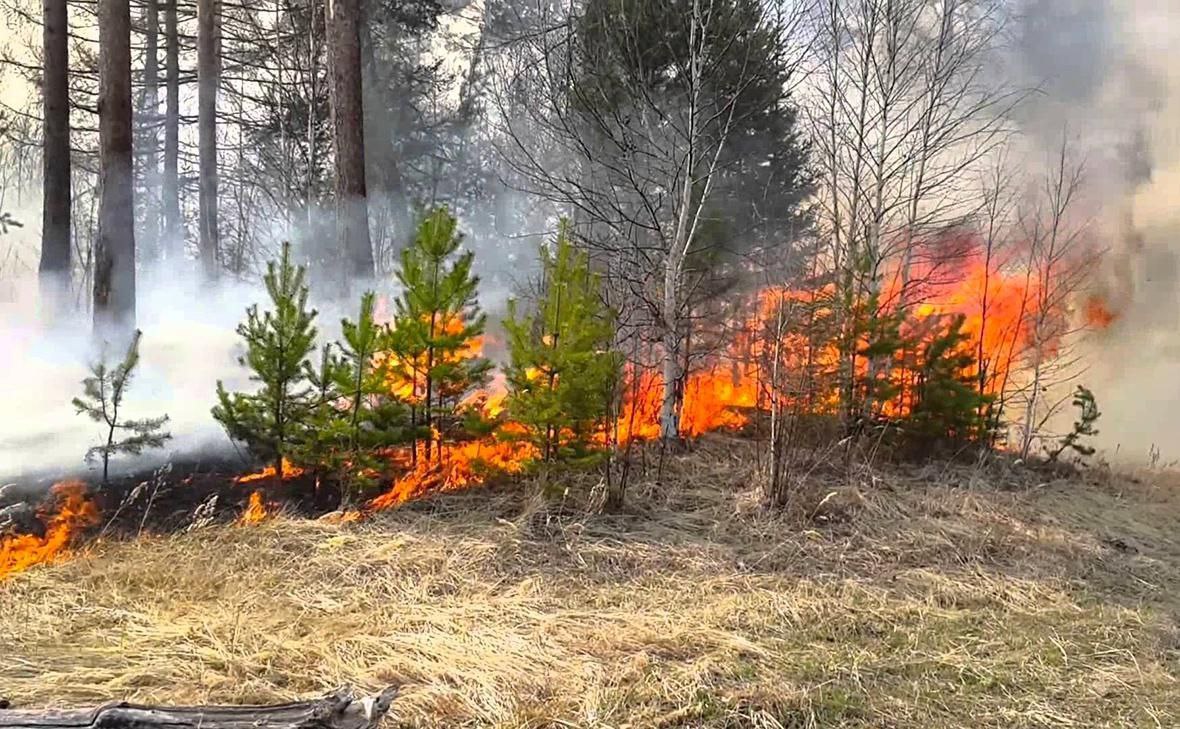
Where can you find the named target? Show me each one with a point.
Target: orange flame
(1098, 314)
(256, 511)
(454, 467)
(71, 513)
(289, 471)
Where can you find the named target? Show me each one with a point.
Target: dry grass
(943, 602)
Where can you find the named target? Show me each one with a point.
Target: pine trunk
(208, 71)
(149, 119)
(114, 255)
(352, 209)
(55, 222)
(173, 237)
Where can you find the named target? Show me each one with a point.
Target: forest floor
(946, 596)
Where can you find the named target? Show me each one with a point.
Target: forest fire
(454, 467)
(256, 511)
(72, 512)
(1098, 313)
(289, 471)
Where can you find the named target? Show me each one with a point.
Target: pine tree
(104, 392)
(356, 413)
(947, 403)
(438, 326)
(1083, 427)
(271, 420)
(561, 368)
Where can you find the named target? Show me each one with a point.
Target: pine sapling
(561, 368)
(271, 420)
(1083, 427)
(435, 360)
(102, 401)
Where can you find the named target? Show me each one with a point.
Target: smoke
(189, 343)
(1109, 73)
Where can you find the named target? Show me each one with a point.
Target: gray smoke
(1110, 73)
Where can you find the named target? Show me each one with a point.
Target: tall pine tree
(561, 368)
(435, 344)
(278, 342)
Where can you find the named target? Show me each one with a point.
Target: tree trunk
(55, 221)
(339, 710)
(149, 118)
(173, 237)
(114, 256)
(670, 404)
(208, 71)
(352, 209)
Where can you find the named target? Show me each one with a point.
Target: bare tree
(114, 254)
(1059, 259)
(55, 230)
(904, 112)
(633, 123)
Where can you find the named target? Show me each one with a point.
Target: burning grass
(928, 598)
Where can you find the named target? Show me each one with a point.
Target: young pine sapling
(102, 401)
(435, 362)
(272, 420)
(1083, 427)
(561, 368)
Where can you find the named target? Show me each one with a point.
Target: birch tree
(904, 112)
(637, 134)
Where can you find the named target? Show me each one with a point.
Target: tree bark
(149, 118)
(55, 221)
(173, 237)
(114, 255)
(352, 209)
(208, 71)
(339, 710)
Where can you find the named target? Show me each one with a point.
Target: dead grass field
(943, 601)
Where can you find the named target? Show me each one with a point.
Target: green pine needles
(102, 401)
(562, 368)
(438, 323)
(271, 420)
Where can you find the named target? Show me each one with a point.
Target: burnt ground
(167, 498)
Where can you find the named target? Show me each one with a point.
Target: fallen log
(338, 710)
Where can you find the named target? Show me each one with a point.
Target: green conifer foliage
(561, 368)
(356, 414)
(271, 420)
(102, 400)
(1083, 427)
(947, 403)
(437, 328)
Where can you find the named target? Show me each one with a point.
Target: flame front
(289, 471)
(256, 511)
(996, 302)
(70, 514)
